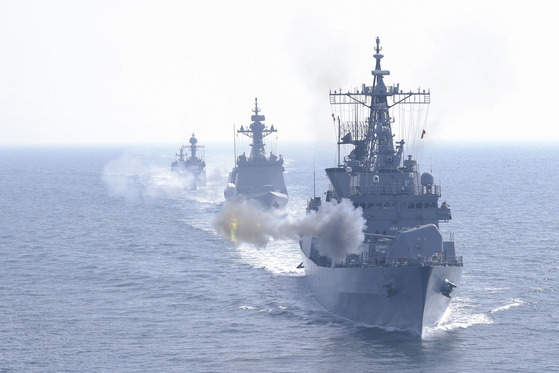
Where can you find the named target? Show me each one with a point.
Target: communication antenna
(234, 146)
(431, 161)
(313, 179)
(339, 135)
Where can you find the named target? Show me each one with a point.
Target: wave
(461, 314)
(512, 303)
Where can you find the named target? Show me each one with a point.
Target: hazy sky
(156, 71)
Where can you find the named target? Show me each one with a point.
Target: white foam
(248, 308)
(459, 315)
(512, 303)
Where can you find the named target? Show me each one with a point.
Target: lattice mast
(257, 131)
(372, 138)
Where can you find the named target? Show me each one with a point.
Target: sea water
(108, 265)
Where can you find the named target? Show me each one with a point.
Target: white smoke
(338, 227)
(246, 221)
(217, 175)
(130, 177)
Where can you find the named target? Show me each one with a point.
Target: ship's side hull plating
(405, 297)
(263, 183)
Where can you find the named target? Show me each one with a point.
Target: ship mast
(257, 132)
(373, 139)
(193, 146)
(180, 154)
(379, 133)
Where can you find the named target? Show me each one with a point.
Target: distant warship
(405, 273)
(258, 177)
(193, 168)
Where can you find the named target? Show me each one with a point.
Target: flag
(422, 133)
(333, 117)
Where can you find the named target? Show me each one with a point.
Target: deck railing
(381, 261)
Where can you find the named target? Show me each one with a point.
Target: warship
(193, 168)
(404, 274)
(257, 177)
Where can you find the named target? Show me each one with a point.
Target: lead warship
(404, 273)
(192, 168)
(258, 177)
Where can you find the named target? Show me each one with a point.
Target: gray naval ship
(193, 167)
(406, 273)
(258, 177)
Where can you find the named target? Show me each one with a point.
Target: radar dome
(194, 141)
(427, 179)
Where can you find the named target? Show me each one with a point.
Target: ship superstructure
(258, 176)
(404, 273)
(193, 168)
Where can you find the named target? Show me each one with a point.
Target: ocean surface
(108, 265)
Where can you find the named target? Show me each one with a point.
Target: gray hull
(261, 182)
(404, 298)
(267, 198)
(273, 199)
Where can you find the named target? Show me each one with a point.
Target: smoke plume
(130, 177)
(338, 227)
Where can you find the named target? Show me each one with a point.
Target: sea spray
(338, 227)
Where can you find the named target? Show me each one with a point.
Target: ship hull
(272, 199)
(263, 183)
(267, 199)
(404, 298)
